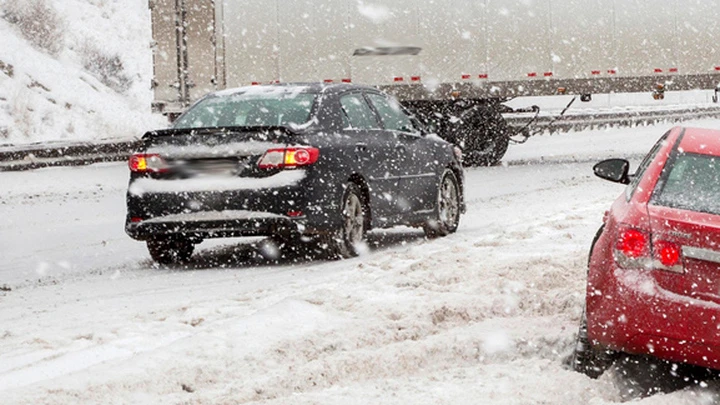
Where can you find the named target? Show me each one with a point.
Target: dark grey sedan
(302, 164)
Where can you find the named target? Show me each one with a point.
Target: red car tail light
(632, 248)
(288, 158)
(633, 243)
(668, 256)
(147, 163)
(635, 249)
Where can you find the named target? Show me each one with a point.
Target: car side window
(635, 180)
(358, 113)
(392, 114)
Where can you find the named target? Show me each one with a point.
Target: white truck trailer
(451, 62)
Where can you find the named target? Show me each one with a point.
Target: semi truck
(452, 63)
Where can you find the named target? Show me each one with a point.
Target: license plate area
(213, 167)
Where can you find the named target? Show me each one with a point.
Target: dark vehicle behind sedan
(320, 164)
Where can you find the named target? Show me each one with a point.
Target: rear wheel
(447, 212)
(170, 250)
(586, 358)
(345, 242)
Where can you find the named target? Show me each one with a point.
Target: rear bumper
(217, 224)
(629, 312)
(307, 206)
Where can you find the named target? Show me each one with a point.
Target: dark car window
(358, 113)
(693, 183)
(644, 165)
(249, 109)
(392, 114)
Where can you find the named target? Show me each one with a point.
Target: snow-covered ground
(485, 316)
(54, 97)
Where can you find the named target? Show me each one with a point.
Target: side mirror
(615, 170)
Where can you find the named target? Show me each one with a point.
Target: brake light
(668, 256)
(633, 243)
(635, 249)
(288, 158)
(147, 163)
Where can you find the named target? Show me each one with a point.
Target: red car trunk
(698, 236)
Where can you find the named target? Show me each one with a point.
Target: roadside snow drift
(484, 316)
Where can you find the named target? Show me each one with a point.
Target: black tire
(483, 136)
(354, 212)
(171, 250)
(447, 209)
(586, 358)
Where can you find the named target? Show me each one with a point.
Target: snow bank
(484, 316)
(48, 98)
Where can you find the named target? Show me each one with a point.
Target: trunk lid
(228, 151)
(697, 235)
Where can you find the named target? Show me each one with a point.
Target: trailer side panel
(166, 83)
(313, 41)
(251, 42)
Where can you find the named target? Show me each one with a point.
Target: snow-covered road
(484, 316)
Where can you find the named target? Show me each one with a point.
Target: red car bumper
(627, 311)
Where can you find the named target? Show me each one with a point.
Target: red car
(653, 283)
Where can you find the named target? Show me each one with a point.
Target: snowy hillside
(74, 70)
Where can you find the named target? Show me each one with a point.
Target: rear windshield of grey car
(693, 184)
(250, 108)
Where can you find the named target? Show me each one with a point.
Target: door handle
(361, 147)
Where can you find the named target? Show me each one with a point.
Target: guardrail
(610, 118)
(33, 156)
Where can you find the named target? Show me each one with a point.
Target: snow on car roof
(701, 141)
(264, 91)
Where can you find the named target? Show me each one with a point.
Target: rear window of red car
(692, 183)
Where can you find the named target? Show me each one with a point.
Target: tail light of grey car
(147, 163)
(289, 158)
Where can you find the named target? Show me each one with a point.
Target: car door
(414, 157)
(372, 150)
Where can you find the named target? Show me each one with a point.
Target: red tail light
(633, 243)
(147, 163)
(668, 256)
(635, 249)
(288, 158)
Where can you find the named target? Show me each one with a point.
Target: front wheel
(447, 211)
(170, 250)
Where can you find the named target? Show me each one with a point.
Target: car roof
(701, 141)
(325, 88)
